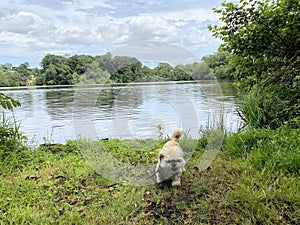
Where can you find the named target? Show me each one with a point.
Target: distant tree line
(86, 69)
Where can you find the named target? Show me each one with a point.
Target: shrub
(263, 37)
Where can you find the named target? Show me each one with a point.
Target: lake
(136, 110)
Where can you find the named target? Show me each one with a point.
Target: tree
(80, 63)
(56, 70)
(197, 71)
(6, 66)
(4, 77)
(179, 74)
(146, 74)
(126, 68)
(164, 70)
(23, 73)
(221, 64)
(95, 75)
(106, 62)
(264, 38)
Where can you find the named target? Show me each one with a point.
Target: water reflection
(59, 102)
(132, 111)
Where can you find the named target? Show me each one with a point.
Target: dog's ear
(161, 156)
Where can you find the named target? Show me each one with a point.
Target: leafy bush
(263, 37)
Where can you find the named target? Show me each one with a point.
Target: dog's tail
(177, 134)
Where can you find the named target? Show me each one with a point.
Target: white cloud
(76, 35)
(138, 28)
(23, 22)
(93, 26)
(193, 4)
(85, 4)
(46, 45)
(150, 28)
(197, 37)
(197, 14)
(15, 38)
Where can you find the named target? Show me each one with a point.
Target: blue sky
(29, 29)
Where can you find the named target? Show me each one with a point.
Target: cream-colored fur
(171, 163)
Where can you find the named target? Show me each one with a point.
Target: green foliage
(221, 64)
(71, 147)
(7, 102)
(86, 69)
(106, 63)
(79, 63)
(94, 75)
(280, 154)
(269, 107)
(196, 71)
(13, 152)
(56, 71)
(264, 34)
(265, 149)
(263, 37)
(240, 145)
(126, 69)
(17, 76)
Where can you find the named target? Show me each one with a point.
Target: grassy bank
(253, 180)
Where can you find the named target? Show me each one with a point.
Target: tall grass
(266, 149)
(269, 107)
(13, 151)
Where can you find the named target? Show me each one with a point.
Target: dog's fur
(171, 163)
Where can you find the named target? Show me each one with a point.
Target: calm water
(57, 114)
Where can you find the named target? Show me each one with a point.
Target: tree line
(86, 69)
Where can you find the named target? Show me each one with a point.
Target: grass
(243, 185)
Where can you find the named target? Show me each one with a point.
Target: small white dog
(171, 163)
